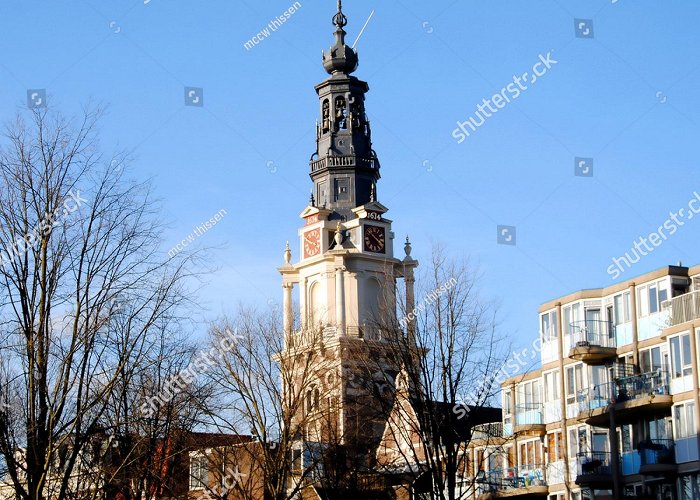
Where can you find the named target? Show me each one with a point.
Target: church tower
(346, 273)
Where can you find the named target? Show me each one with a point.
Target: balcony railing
(593, 333)
(344, 161)
(642, 385)
(683, 308)
(511, 478)
(625, 389)
(307, 337)
(657, 452)
(594, 463)
(528, 414)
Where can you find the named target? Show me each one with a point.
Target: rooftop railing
(683, 308)
(490, 430)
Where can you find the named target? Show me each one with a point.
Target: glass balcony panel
(528, 414)
(630, 463)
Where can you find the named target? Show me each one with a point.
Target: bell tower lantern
(344, 167)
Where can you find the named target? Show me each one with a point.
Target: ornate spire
(339, 19)
(340, 58)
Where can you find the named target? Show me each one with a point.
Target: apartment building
(613, 410)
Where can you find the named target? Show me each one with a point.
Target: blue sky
(626, 98)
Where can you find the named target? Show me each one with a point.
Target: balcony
(632, 397)
(683, 308)
(344, 161)
(526, 481)
(658, 457)
(594, 469)
(529, 420)
(593, 342)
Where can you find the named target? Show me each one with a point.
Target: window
(680, 356)
(296, 461)
(650, 297)
(684, 420)
(621, 307)
(495, 461)
(531, 454)
(625, 435)
(551, 386)
(549, 326)
(574, 382)
(657, 428)
(598, 375)
(571, 315)
(506, 403)
(555, 447)
(313, 397)
(342, 189)
(510, 452)
(573, 443)
(529, 394)
(650, 360)
(198, 471)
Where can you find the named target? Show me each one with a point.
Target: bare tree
(451, 354)
(149, 420)
(77, 238)
(271, 387)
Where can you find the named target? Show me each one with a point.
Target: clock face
(312, 243)
(375, 240)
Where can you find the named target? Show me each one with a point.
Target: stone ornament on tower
(338, 235)
(287, 254)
